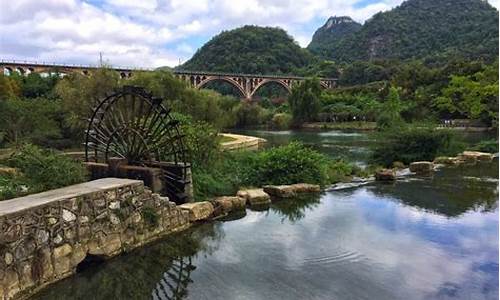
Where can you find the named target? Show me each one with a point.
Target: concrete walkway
(242, 142)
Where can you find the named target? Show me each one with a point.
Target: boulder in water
(288, 191)
(385, 175)
(470, 156)
(254, 196)
(422, 167)
(198, 210)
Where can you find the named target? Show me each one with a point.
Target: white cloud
(150, 33)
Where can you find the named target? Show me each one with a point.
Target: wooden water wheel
(133, 125)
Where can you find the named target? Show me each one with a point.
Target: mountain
(250, 49)
(422, 28)
(329, 35)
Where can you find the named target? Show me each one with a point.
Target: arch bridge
(246, 84)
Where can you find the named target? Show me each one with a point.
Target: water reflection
(160, 271)
(174, 283)
(451, 192)
(295, 209)
(421, 238)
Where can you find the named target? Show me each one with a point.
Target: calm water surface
(420, 238)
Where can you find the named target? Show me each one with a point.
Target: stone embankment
(45, 237)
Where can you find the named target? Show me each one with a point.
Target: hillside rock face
(327, 36)
(415, 29)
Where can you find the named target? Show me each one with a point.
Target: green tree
(34, 85)
(80, 94)
(24, 120)
(390, 114)
(475, 97)
(305, 101)
(9, 88)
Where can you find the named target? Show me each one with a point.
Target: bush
(250, 114)
(29, 120)
(288, 164)
(202, 140)
(281, 121)
(490, 146)
(415, 144)
(44, 169)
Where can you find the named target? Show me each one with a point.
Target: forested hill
(421, 28)
(329, 35)
(250, 49)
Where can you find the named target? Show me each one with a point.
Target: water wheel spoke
(133, 125)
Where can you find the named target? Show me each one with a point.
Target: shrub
(28, 120)
(490, 146)
(281, 121)
(202, 140)
(339, 171)
(250, 114)
(44, 169)
(288, 164)
(415, 144)
(150, 216)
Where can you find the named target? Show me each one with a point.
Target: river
(419, 238)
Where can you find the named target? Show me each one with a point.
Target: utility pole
(100, 59)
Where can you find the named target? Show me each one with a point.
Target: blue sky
(153, 33)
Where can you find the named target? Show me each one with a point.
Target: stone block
(45, 264)
(280, 191)
(476, 155)
(62, 267)
(306, 188)
(198, 210)
(230, 203)
(11, 283)
(289, 191)
(111, 245)
(254, 196)
(26, 277)
(61, 251)
(422, 167)
(79, 253)
(385, 175)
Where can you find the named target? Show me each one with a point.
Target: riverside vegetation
(57, 107)
(400, 89)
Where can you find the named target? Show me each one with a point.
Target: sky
(154, 33)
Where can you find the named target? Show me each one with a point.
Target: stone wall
(44, 237)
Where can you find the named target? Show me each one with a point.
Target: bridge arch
(229, 80)
(267, 81)
(7, 71)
